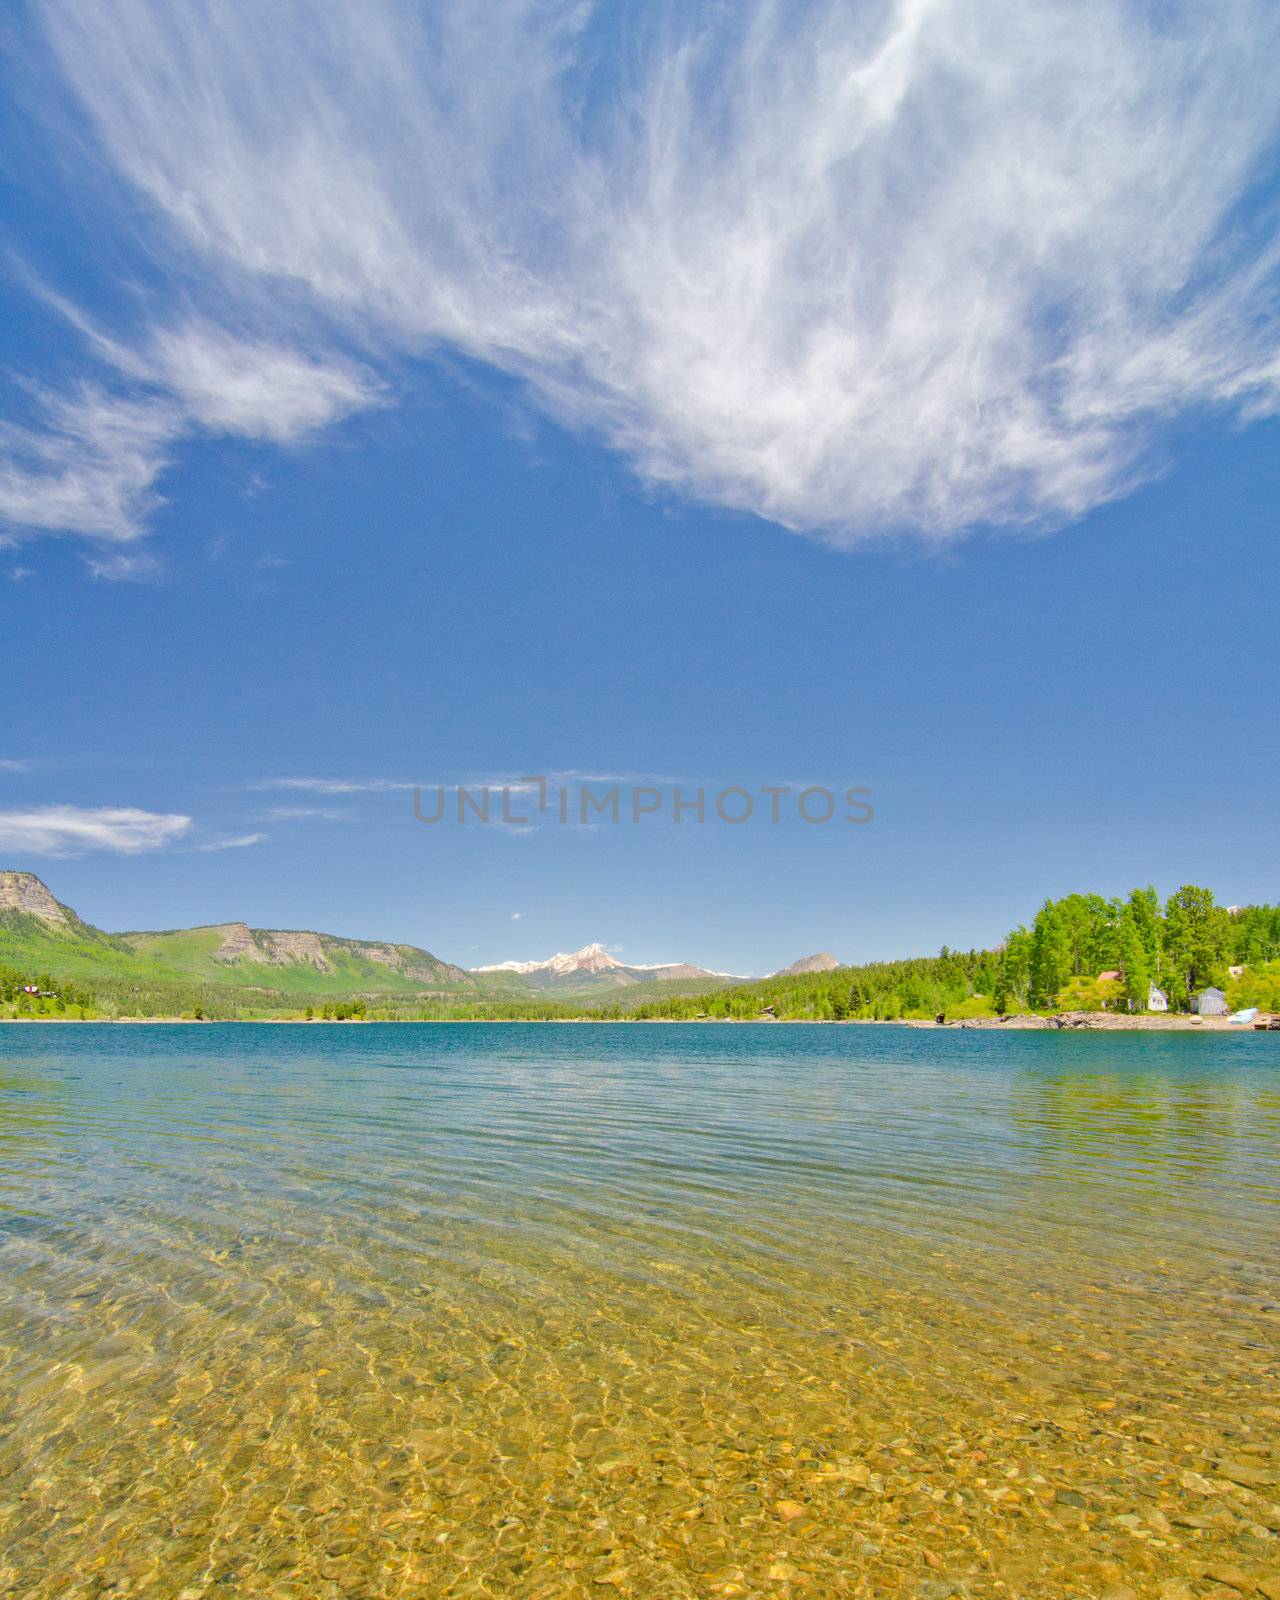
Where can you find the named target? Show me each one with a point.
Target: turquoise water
(664, 1310)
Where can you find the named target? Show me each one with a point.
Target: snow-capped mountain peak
(593, 967)
(591, 958)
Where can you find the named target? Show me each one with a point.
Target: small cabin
(1211, 1003)
(1157, 999)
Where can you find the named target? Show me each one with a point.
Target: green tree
(1136, 962)
(1050, 956)
(1197, 935)
(1003, 991)
(1016, 963)
(1088, 924)
(1143, 911)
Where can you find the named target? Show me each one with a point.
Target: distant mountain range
(41, 935)
(593, 967)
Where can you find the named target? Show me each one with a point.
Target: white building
(1157, 999)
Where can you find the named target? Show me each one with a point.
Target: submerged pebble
(585, 1334)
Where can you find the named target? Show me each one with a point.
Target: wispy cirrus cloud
(915, 265)
(306, 814)
(335, 785)
(86, 463)
(57, 830)
(229, 384)
(88, 460)
(240, 841)
(524, 783)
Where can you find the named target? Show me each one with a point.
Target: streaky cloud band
(917, 266)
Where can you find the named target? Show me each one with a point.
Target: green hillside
(228, 970)
(79, 950)
(308, 964)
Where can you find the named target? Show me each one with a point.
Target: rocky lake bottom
(557, 1312)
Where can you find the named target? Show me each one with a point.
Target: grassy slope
(175, 972)
(190, 952)
(77, 950)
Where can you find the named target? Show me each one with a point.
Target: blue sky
(805, 401)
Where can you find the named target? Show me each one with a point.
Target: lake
(566, 1311)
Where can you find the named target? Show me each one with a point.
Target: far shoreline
(1065, 1022)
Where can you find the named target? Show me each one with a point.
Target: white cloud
(89, 460)
(391, 785)
(524, 786)
(915, 264)
(88, 465)
(240, 842)
(335, 785)
(305, 813)
(70, 830)
(516, 915)
(15, 766)
(255, 389)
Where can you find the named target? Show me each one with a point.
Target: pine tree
(1002, 994)
(1136, 963)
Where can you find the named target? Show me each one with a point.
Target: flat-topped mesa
(23, 891)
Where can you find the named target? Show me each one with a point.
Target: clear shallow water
(656, 1311)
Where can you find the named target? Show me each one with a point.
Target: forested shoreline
(1060, 962)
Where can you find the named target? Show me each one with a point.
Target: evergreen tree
(1003, 994)
(1136, 962)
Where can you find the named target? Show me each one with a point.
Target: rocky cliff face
(237, 943)
(23, 891)
(277, 947)
(416, 964)
(288, 946)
